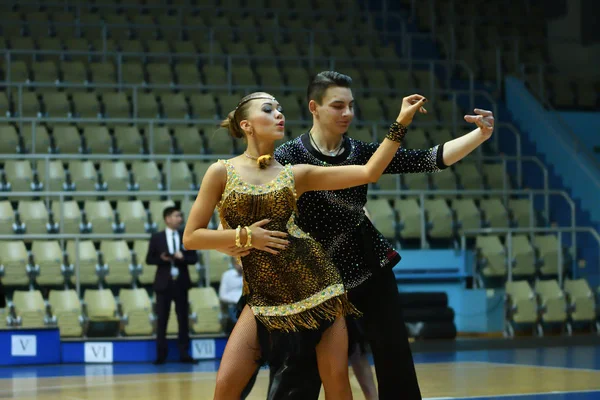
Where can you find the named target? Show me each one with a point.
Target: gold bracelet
(397, 132)
(249, 237)
(237, 236)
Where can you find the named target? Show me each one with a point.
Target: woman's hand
(484, 121)
(266, 240)
(410, 105)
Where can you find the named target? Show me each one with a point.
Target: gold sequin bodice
(295, 287)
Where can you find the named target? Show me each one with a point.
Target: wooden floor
(438, 380)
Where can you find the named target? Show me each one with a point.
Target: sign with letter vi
(203, 349)
(98, 352)
(23, 345)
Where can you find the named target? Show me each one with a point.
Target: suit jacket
(158, 245)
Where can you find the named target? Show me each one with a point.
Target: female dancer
(294, 292)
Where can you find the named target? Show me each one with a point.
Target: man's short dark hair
(323, 81)
(170, 210)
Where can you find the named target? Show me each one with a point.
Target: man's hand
(165, 257)
(179, 255)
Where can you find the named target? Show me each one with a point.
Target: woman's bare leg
(364, 374)
(239, 358)
(332, 359)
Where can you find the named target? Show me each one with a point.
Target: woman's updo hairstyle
(232, 122)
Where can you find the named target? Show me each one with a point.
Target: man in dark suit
(171, 283)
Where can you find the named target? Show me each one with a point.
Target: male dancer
(364, 257)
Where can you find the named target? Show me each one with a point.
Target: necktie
(174, 242)
(174, 269)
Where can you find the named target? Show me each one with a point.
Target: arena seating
(107, 100)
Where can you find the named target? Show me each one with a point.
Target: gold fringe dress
(297, 290)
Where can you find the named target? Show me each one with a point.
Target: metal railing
(49, 195)
(510, 231)
(575, 142)
(230, 60)
(77, 238)
(423, 194)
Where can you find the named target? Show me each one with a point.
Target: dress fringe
(310, 319)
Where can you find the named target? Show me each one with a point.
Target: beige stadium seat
(14, 261)
(97, 139)
(439, 216)
(52, 174)
(159, 140)
(493, 252)
(128, 139)
(9, 138)
(409, 216)
(100, 305)
(116, 105)
(200, 168)
(416, 181)
(49, 257)
(7, 219)
(88, 262)
(66, 308)
(205, 309)
(174, 106)
(45, 72)
(117, 257)
(41, 142)
(56, 105)
(553, 302)
(83, 175)
(74, 72)
(521, 305)
(188, 139)
(523, 256)
(67, 215)
(495, 213)
(30, 309)
(494, 175)
(86, 105)
(115, 175)
(30, 105)
(34, 216)
(181, 176)
(19, 72)
(216, 264)
(137, 312)
(148, 272)
(19, 174)
(382, 216)
(440, 135)
(470, 177)
(67, 139)
(581, 300)
(146, 175)
(132, 216)
(100, 215)
(133, 73)
(103, 73)
(467, 214)
(218, 140)
(522, 212)
(548, 250)
(188, 74)
(389, 182)
(146, 105)
(444, 180)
